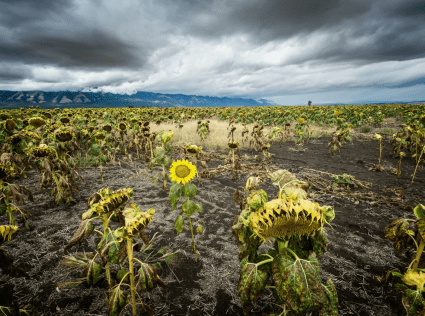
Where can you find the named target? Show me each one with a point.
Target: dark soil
(355, 257)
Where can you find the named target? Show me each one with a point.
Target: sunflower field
(272, 210)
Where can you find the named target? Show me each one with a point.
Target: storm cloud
(288, 51)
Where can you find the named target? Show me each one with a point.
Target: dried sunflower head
(65, 120)
(99, 136)
(36, 121)
(6, 171)
(41, 152)
(122, 127)
(52, 128)
(32, 135)
(286, 217)
(14, 139)
(9, 125)
(64, 135)
(107, 127)
(233, 145)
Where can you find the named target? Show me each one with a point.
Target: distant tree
(309, 103)
(131, 106)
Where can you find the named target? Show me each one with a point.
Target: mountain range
(74, 99)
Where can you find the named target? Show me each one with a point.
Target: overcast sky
(288, 51)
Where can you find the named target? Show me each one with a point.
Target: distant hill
(70, 99)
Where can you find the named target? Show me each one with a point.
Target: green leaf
(179, 224)
(3, 209)
(191, 189)
(109, 248)
(95, 149)
(199, 229)
(115, 301)
(175, 194)
(121, 274)
(148, 278)
(413, 301)
(168, 162)
(189, 207)
(93, 273)
(257, 199)
(419, 211)
(298, 282)
(330, 307)
(199, 208)
(252, 282)
(320, 243)
(159, 154)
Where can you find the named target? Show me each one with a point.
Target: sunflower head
(9, 125)
(182, 171)
(99, 136)
(301, 120)
(41, 152)
(64, 135)
(5, 171)
(36, 121)
(52, 128)
(14, 139)
(286, 217)
(109, 201)
(135, 220)
(233, 145)
(193, 149)
(25, 133)
(65, 120)
(122, 127)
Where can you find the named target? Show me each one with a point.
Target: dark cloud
(18, 13)
(396, 28)
(89, 50)
(14, 73)
(230, 47)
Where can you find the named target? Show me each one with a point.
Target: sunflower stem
(101, 174)
(193, 239)
(418, 254)
(105, 232)
(283, 246)
(130, 263)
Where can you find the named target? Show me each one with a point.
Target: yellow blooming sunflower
(182, 171)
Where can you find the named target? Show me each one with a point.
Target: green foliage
(365, 129)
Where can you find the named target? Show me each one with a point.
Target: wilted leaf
(84, 231)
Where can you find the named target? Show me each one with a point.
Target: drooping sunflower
(14, 139)
(25, 133)
(182, 171)
(41, 152)
(64, 135)
(99, 136)
(36, 121)
(5, 171)
(9, 125)
(65, 120)
(287, 217)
